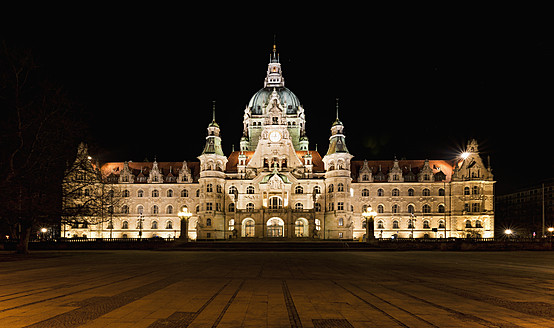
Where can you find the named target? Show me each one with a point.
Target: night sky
(412, 88)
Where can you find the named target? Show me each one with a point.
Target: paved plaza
(277, 289)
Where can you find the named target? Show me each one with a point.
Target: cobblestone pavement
(277, 289)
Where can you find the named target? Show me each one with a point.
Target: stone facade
(275, 187)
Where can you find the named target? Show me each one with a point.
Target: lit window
(341, 222)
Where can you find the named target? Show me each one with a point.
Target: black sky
(413, 86)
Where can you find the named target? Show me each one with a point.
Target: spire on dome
(337, 121)
(274, 76)
(213, 123)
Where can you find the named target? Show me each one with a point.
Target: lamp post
(140, 220)
(184, 215)
(508, 233)
(369, 215)
(551, 230)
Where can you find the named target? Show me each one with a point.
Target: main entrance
(275, 227)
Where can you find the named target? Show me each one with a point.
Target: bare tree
(88, 197)
(37, 133)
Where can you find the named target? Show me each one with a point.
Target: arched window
(197, 192)
(478, 224)
(209, 187)
(466, 190)
(184, 193)
(233, 190)
(426, 209)
(155, 193)
(411, 209)
(154, 224)
(330, 188)
(441, 224)
(208, 222)
(380, 208)
(125, 209)
(169, 193)
(468, 224)
(317, 190)
(380, 224)
(126, 193)
(365, 177)
(340, 187)
(410, 192)
(298, 206)
(380, 192)
(218, 189)
(140, 193)
(365, 192)
(169, 209)
(155, 209)
(426, 224)
(341, 222)
(298, 190)
(124, 225)
(169, 225)
(231, 207)
(140, 209)
(250, 190)
(395, 208)
(395, 192)
(395, 224)
(250, 207)
(441, 208)
(441, 192)
(426, 192)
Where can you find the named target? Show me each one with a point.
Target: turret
(337, 157)
(212, 158)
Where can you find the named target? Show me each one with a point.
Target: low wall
(376, 245)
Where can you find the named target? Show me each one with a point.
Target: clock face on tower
(275, 136)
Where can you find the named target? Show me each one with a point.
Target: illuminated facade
(276, 187)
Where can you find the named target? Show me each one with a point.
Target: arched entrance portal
(248, 227)
(275, 227)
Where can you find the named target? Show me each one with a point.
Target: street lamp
(369, 215)
(43, 230)
(140, 220)
(508, 232)
(184, 215)
(551, 230)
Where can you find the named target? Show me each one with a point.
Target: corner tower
(338, 214)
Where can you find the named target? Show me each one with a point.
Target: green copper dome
(260, 99)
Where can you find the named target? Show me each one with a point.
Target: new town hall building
(276, 187)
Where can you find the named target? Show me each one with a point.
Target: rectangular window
(218, 207)
(208, 206)
(340, 206)
(340, 234)
(331, 206)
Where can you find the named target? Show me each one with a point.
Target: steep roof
(114, 168)
(405, 165)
